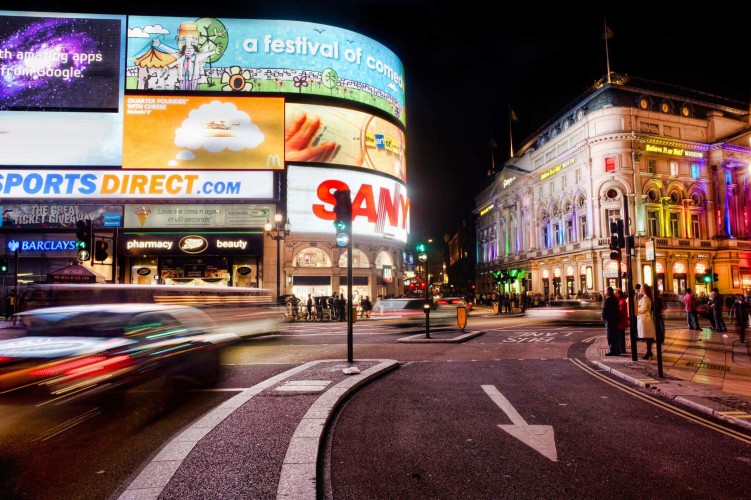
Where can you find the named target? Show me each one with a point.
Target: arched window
(383, 259)
(359, 260)
(311, 257)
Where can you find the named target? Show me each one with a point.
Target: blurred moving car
(454, 301)
(411, 311)
(568, 311)
(71, 352)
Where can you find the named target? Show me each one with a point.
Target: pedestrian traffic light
(3, 265)
(613, 237)
(707, 278)
(343, 210)
(420, 247)
(100, 250)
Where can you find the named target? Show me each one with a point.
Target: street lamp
(278, 232)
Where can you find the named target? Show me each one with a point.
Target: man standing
(623, 322)
(611, 315)
(692, 315)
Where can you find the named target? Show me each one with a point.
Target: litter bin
(354, 314)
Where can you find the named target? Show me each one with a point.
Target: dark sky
(466, 63)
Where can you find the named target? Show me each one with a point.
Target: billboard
(159, 216)
(380, 206)
(70, 64)
(58, 215)
(125, 185)
(193, 132)
(243, 55)
(328, 134)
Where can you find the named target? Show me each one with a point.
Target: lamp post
(278, 232)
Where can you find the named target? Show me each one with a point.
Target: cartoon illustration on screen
(164, 67)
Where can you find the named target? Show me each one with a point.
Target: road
(512, 413)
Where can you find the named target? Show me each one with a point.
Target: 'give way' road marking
(539, 437)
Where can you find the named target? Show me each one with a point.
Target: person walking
(611, 315)
(741, 310)
(692, 310)
(715, 308)
(10, 305)
(645, 325)
(623, 319)
(309, 306)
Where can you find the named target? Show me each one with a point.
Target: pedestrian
(10, 305)
(645, 325)
(367, 306)
(715, 308)
(611, 315)
(692, 310)
(342, 312)
(623, 319)
(309, 307)
(741, 308)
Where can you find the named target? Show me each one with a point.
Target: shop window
(609, 164)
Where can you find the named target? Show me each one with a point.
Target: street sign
(342, 239)
(650, 250)
(422, 257)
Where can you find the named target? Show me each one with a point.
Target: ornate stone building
(676, 160)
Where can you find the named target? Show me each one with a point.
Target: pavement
(220, 456)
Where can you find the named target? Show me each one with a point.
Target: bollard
(426, 310)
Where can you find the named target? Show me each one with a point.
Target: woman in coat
(645, 325)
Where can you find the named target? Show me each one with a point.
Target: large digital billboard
(328, 134)
(242, 55)
(62, 89)
(380, 206)
(206, 133)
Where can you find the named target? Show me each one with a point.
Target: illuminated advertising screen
(327, 134)
(158, 216)
(124, 185)
(62, 88)
(59, 215)
(243, 55)
(380, 206)
(192, 132)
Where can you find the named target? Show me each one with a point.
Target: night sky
(464, 68)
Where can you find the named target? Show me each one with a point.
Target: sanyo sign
(380, 205)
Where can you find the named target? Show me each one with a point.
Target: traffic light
(707, 278)
(420, 247)
(715, 278)
(83, 233)
(3, 265)
(100, 250)
(343, 211)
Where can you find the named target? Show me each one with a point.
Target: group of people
(650, 323)
(336, 304)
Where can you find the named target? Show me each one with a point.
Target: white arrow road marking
(538, 437)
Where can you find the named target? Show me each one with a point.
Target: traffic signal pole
(630, 279)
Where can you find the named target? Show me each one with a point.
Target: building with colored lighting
(672, 163)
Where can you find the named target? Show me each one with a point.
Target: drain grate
(708, 366)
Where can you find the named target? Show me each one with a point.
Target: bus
(36, 295)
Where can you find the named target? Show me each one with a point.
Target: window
(609, 164)
(652, 227)
(695, 227)
(583, 227)
(569, 230)
(694, 171)
(674, 168)
(649, 128)
(611, 194)
(578, 175)
(671, 131)
(651, 166)
(613, 215)
(545, 236)
(652, 195)
(558, 234)
(675, 229)
(563, 182)
(728, 177)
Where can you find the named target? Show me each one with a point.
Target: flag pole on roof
(511, 118)
(607, 33)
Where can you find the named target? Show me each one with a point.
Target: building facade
(671, 164)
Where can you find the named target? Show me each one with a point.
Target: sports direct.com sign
(380, 206)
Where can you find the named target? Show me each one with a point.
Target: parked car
(568, 311)
(70, 352)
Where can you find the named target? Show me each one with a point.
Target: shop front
(194, 259)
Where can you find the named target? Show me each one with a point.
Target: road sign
(83, 254)
(342, 239)
(422, 257)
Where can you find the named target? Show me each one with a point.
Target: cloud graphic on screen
(138, 32)
(217, 126)
(185, 155)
